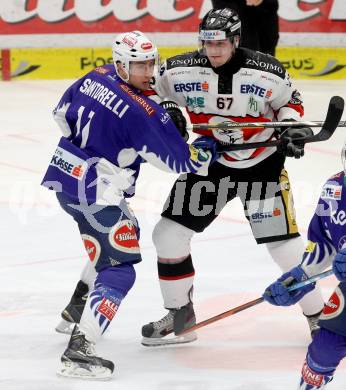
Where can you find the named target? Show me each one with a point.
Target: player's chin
(145, 85)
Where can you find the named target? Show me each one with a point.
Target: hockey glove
(292, 141)
(277, 293)
(208, 144)
(177, 117)
(339, 265)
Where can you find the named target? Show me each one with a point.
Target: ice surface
(41, 257)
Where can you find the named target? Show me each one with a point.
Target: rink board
(70, 63)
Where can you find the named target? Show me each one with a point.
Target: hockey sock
(111, 287)
(324, 355)
(176, 282)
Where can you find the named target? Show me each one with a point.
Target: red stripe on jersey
(149, 92)
(296, 107)
(177, 277)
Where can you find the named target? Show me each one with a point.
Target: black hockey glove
(292, 141)
(177, 117)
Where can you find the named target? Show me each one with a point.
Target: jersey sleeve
(288, 103)
(320, 250)
(158, 141)
(64, 117)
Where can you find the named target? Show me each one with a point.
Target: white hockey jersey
(252, 86)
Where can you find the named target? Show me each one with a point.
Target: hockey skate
(164, 331)
(80, 361)
(313, 322)
(72, 313)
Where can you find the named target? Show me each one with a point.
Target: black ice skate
(313, 322)
(80, 361)
(72, 313)
(163, 332)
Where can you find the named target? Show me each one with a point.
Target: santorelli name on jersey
(104, 96)
(141, 101)
(68, 163)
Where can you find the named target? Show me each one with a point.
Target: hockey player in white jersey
(223, 82)
(326, 245)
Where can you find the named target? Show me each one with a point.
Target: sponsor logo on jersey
(190, 61)
(338, 218)
(92, 246)
(310, 247)
(330, 191)
(123, 237)
(253, 89)
(311, 377)
(192, 87)
(195, 102)
(180, 72)
(259, 217)
(165, 117)
(334, 306)
(107, 308)
(68, 163)
(265, 65)
(101, 70)
(268, 94)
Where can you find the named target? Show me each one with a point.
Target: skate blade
(156, 342)
(74, 370)
(65, 327)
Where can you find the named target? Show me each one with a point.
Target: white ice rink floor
(41, 257)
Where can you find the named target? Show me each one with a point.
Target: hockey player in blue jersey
(327, 243)
(109, 128)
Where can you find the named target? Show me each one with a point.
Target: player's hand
(208, 144)
(177, 117)
(339, 265)
(292, 141)
(277, 293)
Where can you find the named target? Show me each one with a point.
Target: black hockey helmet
(220, 24)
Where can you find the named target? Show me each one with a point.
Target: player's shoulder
(262, 62)
(190, 59)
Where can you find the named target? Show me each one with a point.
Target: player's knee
(120, 278)
(171, 239)
(286, 253)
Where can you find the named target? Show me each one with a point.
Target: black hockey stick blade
(334, 114)
(333, 117)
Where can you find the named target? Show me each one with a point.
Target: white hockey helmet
(132, 46)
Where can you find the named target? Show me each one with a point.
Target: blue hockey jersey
(109, 129)
(327, 229)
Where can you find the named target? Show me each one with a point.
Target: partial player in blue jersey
(327, 244)
(109, 128)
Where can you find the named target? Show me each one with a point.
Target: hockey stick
(332, 121)
(245, 306)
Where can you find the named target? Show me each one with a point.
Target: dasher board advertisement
(92, 23)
